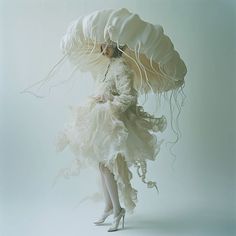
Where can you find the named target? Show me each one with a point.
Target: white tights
(110, 190)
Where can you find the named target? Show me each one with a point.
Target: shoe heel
(123, 223)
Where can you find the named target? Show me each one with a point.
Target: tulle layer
(95, 134)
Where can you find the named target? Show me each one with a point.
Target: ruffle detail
(157, 123)
(116, 132)
(94, 134)
(123, 176)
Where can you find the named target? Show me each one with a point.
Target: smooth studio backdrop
(197, 190)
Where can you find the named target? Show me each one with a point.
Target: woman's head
(111, 50)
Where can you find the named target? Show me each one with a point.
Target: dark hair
(117, 52)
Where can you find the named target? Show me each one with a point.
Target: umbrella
(157, 66)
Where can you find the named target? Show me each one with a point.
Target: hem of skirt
(122, 174)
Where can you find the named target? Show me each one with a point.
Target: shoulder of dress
(120, 66)
(119, 61)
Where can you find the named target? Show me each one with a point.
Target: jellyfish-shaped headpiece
(147, 50)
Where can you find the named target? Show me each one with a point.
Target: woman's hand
(100, 98)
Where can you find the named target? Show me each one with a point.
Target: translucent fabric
(117, 131)
(149, 52)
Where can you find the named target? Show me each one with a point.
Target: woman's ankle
(117, 211)
(108, 208)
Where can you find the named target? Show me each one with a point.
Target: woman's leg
(108, 202)
(112, 189)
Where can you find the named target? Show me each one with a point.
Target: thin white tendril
(63, 81)
(158, 73)
(135, 51)
(143, 67)
(133, 61)
(42, 81)
(94, 46)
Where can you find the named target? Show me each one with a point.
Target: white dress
(118, 132)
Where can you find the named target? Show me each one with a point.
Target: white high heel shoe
(103, 217)
(116, 221)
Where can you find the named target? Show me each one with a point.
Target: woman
(112, 132)
(110, 190)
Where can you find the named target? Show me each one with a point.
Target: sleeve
(127, 95)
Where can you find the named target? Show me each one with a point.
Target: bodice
(105, 83)
(115, 86)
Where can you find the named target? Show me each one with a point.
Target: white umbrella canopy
(149, 52)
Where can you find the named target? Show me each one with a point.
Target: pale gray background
(197, 196)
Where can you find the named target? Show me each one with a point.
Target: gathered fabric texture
(117, 132)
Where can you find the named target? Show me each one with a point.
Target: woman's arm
(124, 86)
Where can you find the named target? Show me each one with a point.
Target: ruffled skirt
(95, 134)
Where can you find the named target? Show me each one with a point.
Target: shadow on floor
(203, 223)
